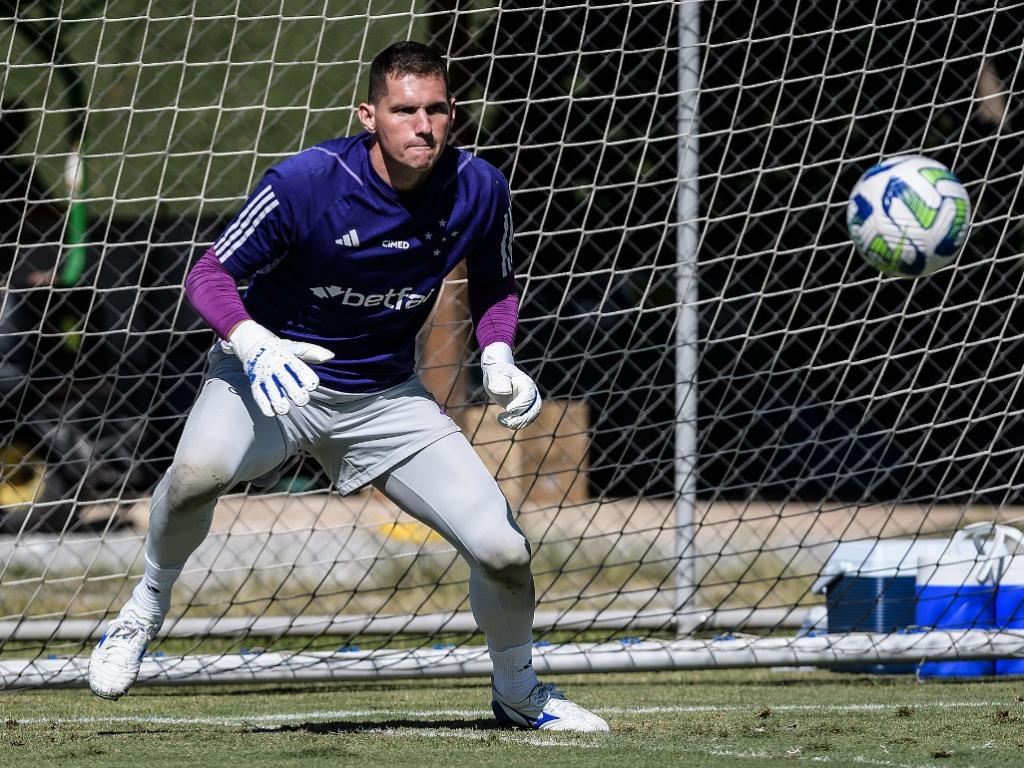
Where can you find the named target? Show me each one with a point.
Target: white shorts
(355, 437)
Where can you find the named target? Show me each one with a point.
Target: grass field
(724, 718)
(189, 103)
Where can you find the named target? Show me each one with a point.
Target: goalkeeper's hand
(276, 367)
(509, 387)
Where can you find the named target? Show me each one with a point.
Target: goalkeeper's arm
(495, 310)
(276, 367)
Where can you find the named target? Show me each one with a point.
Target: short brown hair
(406, 58)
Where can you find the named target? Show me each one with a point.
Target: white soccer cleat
(547, 709)
(116, 659)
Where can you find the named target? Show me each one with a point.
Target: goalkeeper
(345, 246)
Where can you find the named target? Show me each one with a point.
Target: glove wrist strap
(247, 336)
(497, 352)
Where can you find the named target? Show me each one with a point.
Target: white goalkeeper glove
(276, 367)
(509, 387)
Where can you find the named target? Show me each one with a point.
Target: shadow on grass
(366, 726)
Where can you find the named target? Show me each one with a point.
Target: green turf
(189, 103)
(725, 718)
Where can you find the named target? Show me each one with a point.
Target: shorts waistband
(329, 396)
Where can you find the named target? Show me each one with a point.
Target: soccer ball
(908, 215)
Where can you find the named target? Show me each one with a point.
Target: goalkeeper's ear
(451, 117)
(367, 117)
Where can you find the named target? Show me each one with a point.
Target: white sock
(151, 598)
(514, 676)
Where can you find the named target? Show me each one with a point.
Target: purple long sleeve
(212, 291)
(494, 307)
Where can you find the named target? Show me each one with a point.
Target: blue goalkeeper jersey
(337, 257)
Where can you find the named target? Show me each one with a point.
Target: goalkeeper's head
(403, 59)
(408, 111)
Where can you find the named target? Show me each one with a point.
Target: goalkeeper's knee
(504, 556)
(192, 483)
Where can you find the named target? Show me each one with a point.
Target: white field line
(545, 739)
(388, 714)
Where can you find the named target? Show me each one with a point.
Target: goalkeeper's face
(410, 124)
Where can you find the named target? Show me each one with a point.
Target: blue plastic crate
(871, 604)
(869, 586)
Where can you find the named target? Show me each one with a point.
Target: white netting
(732, 393)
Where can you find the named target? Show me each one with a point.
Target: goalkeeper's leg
(226, 440)
(447, 487)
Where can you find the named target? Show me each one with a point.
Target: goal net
(754, 448)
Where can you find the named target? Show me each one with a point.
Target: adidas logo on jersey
(403, 298)
(350, 238)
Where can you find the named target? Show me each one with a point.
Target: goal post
(688, 321)
(755, 450)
